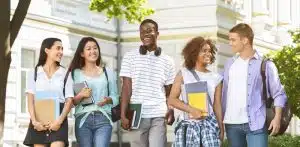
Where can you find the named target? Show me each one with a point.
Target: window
(27, 63)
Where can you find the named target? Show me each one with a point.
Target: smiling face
(90, 52)
(55, 52)
(148, 35)
(205, 55)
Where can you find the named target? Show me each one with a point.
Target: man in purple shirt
(243, 109)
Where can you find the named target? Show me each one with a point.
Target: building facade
(179, 21)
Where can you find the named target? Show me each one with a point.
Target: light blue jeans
(95, 132)
(240, 136)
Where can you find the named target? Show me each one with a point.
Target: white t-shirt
(149, 75)
(54, 85)
(236, 107)
(213, 80)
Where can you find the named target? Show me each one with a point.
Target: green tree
(287, 61)
(132, 10)
(9, 28)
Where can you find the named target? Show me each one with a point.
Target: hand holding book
(85, 92)
(39, 126)
(197, 113)
(170, 116)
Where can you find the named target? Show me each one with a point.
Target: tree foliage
(287, 61)
(132, 10)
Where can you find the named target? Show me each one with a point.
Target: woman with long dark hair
(48, 77)
(93, 125)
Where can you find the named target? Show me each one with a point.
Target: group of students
(149, 77)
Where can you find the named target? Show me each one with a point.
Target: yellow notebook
(199, 101)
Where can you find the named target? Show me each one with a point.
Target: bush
(285, 140)
(287, 60)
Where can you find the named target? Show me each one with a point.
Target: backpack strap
(198, 79)
(35, 73)
(264, 80)
(105, 72)
(65, 81)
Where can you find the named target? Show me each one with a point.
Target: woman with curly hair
(198, 129)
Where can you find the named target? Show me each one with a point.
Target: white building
(179, 21)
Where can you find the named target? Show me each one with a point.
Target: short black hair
(149, 21)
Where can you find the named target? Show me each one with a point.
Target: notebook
(135, 110)
(77, 88)
(47, 106)
(195, 95)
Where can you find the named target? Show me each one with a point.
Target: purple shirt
(256, 108)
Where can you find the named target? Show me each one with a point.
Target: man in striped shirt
(148, 75)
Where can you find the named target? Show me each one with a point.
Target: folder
(195, 95)
(47, 106)
(46, 110)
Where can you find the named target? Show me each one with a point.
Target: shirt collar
(60, 71)
(256, 56)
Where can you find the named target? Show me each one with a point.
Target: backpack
(270, 108)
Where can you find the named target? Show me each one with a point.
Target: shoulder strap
(198, 79)
(263, 75)
(65, 81)
(105, 72)
(35, 73)
(195, 75)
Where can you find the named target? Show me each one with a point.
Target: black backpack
(270, 108)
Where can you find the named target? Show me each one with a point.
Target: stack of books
(195, 95)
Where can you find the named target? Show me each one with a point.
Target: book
(77, 88)
(135, 110)
(47, 106)
(46, 110)
(195, 95)
(130, 116)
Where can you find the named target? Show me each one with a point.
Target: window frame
(25, 114)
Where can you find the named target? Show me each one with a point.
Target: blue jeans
(240, 135)
(95, 132)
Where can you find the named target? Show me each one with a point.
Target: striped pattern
(149, 75)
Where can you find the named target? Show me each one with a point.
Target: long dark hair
(47, 43)
(78, 62)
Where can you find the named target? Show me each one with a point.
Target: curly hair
(192, 49)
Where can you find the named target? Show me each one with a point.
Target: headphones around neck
(143, 51)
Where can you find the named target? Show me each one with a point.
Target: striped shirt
(149, 75)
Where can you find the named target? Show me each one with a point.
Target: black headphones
(143, 51)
